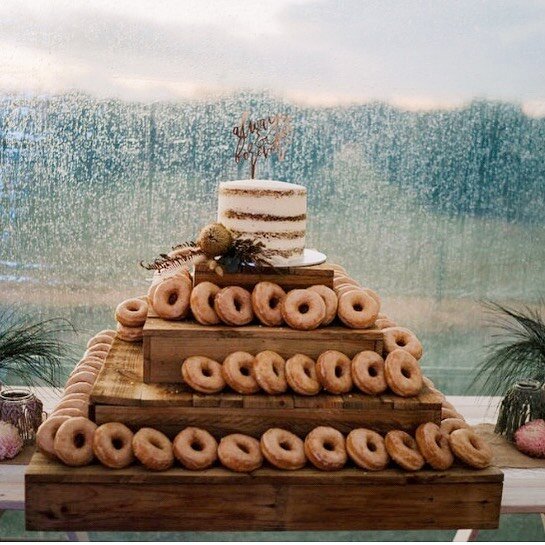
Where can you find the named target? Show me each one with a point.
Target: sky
(417, 54)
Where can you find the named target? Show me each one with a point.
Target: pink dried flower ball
(530, 438)
(10, 441)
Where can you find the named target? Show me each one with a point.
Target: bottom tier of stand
(94, 498)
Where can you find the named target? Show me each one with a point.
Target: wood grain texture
(167, 344)
(292, 278)
(221, 421)
(120, 395)
(95, 498)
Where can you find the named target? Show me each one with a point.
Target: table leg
(466, 535)
(543, 520)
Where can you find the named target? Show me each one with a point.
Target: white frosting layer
(270, 211)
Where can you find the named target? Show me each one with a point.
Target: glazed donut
(325, 448)
(98, 355)
(301, 375)
(73, 443)
(448, 425)
(331, 302)
(81, 376)
(470, 448)
(75, 396)
(383, 323)
(237, 371)
(270, 372)
(201, 302)
(203, 374)
(303, 309)
(132, 312)
(98, 347)
(333, 372)
(100, 339)
(240, 453)
(130, 334)
(403, 449)
(368, 372)
(78, 387)
(69, 411)
(78, 404)
(400, 337)
(402, 373)
(94, 363)
(234, 306)
(160, 276)
(342, 279)
(153, 449)
(112, 445)
(367, 450)
(345, 288)
(85, 367)
(171, 297)
(195, 449)
(283, 449)
(357, 309)
(45, 436)
(434, 446)
(266, 302)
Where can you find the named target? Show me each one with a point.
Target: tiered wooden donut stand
(141, 386)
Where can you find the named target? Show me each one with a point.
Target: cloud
(417, 53)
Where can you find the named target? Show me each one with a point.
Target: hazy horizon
(417, 55)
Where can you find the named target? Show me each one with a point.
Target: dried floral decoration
(237, 253)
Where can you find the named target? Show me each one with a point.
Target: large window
(418, 131)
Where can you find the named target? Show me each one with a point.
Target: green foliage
(31, 350)
(517, 350)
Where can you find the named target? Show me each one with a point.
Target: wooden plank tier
(119, 394)
(168, 343)
(95, 498)
(288, 278)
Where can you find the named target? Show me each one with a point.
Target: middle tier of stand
(168, 343)
(121, 395)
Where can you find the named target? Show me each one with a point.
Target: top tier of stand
(287, 278)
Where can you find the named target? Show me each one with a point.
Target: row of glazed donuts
(302, 309)
(75, 400)
(173, 297)
(78, 441)
(333, 371)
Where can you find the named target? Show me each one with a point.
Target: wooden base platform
(120, 395)
(96, 498)
(168, 343)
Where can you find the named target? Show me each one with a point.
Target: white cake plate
(309, 257)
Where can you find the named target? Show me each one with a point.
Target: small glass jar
(24, 410)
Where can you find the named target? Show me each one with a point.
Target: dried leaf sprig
(244, 252)
(181, 254)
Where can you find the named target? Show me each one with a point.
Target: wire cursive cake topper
(261, 138)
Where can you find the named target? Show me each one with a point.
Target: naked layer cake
(272, 212)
